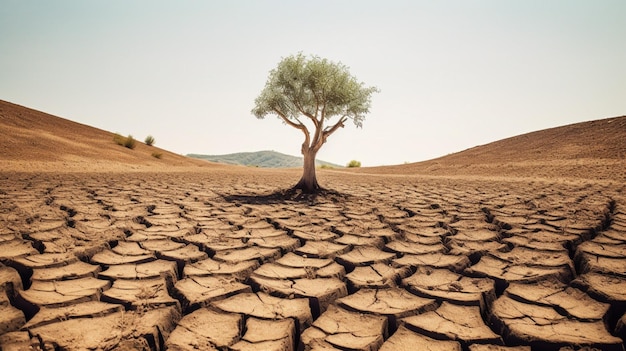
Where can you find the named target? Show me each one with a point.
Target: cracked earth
(209, 261)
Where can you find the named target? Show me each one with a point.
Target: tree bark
(308, 182)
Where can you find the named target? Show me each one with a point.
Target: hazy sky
(451, 74)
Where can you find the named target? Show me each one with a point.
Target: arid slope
(34, 140)
(590, 150)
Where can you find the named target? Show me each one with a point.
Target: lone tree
(313, 95)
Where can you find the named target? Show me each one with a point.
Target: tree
(313, 95)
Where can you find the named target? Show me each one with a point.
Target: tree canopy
(316, 90)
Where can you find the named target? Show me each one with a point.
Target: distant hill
(265, 159)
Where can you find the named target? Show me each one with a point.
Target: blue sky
(451, 74)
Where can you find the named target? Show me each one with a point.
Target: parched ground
(515, 245)
(209, 260)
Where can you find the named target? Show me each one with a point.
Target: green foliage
(315, 88)
(326, 166)
(128, 142)
(118, 139)
(354, 164)
(149, 140)
(157, 155)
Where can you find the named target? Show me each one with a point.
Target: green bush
(118, 139)
(354, 164)
(157, 155)
(149, 140)
(128, 141)
(327, 167)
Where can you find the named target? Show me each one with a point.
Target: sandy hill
(34, 140)
(593, 150)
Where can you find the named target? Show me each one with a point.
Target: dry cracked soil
(212, 261)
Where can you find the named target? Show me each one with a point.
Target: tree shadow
(288, 195)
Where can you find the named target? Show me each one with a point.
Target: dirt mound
(36, 141)
(595, 150)
(600, 139)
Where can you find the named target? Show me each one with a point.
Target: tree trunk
(308, 182)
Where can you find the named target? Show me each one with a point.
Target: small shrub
(354, 164)
(327, 167)
(128, 141)
(157, 155)
(118, 139)
(149, 140)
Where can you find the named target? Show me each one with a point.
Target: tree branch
(299, 125)
(340, 124)
(288, 121)
(316, 123)
(296, 103)
(330, 130)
